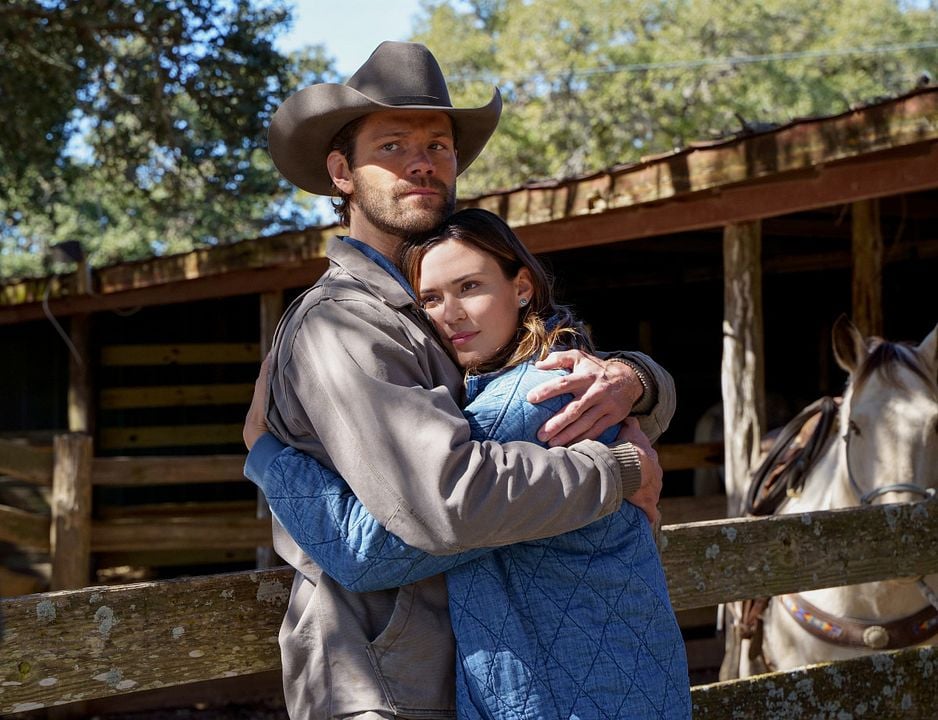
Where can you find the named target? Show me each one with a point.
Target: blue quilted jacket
(574, 626)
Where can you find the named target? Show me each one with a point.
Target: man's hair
(344, 143)
(544, 325)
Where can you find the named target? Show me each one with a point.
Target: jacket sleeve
(331, 525)
(350, 379)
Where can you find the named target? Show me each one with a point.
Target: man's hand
(255, 422)
(604, 392)
(649, 492)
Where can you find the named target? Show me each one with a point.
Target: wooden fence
(128, 535)
(78, 645)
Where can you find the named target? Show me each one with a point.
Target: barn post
(743, 371)
(80, 405)
(70, 529)
(743, 382)
(867, 256)
(271, 310)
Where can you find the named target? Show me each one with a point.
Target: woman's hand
(255, 422)
(604, 392)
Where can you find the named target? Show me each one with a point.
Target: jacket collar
(393, 290)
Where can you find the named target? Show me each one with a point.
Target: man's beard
(385, 211)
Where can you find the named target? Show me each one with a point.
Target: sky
(349, 29)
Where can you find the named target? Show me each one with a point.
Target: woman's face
(474, 306)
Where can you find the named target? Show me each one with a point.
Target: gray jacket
(359, 381)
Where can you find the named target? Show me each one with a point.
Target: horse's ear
(928, 348)
(849, 345)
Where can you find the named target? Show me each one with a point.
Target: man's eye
(389, 147)
(470, 285)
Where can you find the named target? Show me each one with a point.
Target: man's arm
(352, 371)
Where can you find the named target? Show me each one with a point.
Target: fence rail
(97, 642)
(192, 529)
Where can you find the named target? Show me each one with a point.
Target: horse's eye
(854, 428)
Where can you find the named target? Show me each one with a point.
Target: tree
(592, 83)
(138, 126)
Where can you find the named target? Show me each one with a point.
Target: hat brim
(302, 129)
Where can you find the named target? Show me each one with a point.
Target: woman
(577, 625)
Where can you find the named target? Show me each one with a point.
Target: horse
(881, 447)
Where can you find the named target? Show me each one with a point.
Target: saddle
(783, 469)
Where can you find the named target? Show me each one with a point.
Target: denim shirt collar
(381, 261)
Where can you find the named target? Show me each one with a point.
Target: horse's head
(889, 416)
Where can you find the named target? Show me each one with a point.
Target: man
(359, 381)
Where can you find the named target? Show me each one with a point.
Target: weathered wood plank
(78, 645)
(187, 354)
(24, 529)
(169, 436)
(690, 509)
(175, 396)
(720, 561)
(131, 471)
(743, 370)
(898, 684)
(177, 533)
(26, 462)
(687, 456)
(70, 539)
(80, 402)
(867, 271)
(221, 508)
(105, 633)
(174, 558)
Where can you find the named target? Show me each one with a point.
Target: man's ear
(340, 172)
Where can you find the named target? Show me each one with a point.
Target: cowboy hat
(397, 76)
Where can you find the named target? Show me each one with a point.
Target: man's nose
(420, 163)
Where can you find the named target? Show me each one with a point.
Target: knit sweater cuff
(630, 467)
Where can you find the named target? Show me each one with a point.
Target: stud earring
(523, 302)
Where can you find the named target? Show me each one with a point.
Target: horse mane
(888, 358)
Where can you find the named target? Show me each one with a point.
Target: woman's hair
(543, 324)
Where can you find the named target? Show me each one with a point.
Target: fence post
(70, 538)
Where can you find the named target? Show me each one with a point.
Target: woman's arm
(332, 526)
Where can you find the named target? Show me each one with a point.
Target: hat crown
(402, 73)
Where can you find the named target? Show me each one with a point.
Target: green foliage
(593, 83)
(138, 126)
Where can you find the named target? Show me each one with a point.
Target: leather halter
(850, 632)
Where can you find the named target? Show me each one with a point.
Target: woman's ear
(340, 172)
(524, 285)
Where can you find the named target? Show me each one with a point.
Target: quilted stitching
(574, 626)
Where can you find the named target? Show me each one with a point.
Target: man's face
(404, 180)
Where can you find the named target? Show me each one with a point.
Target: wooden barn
(727, 261)
(738, 252)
